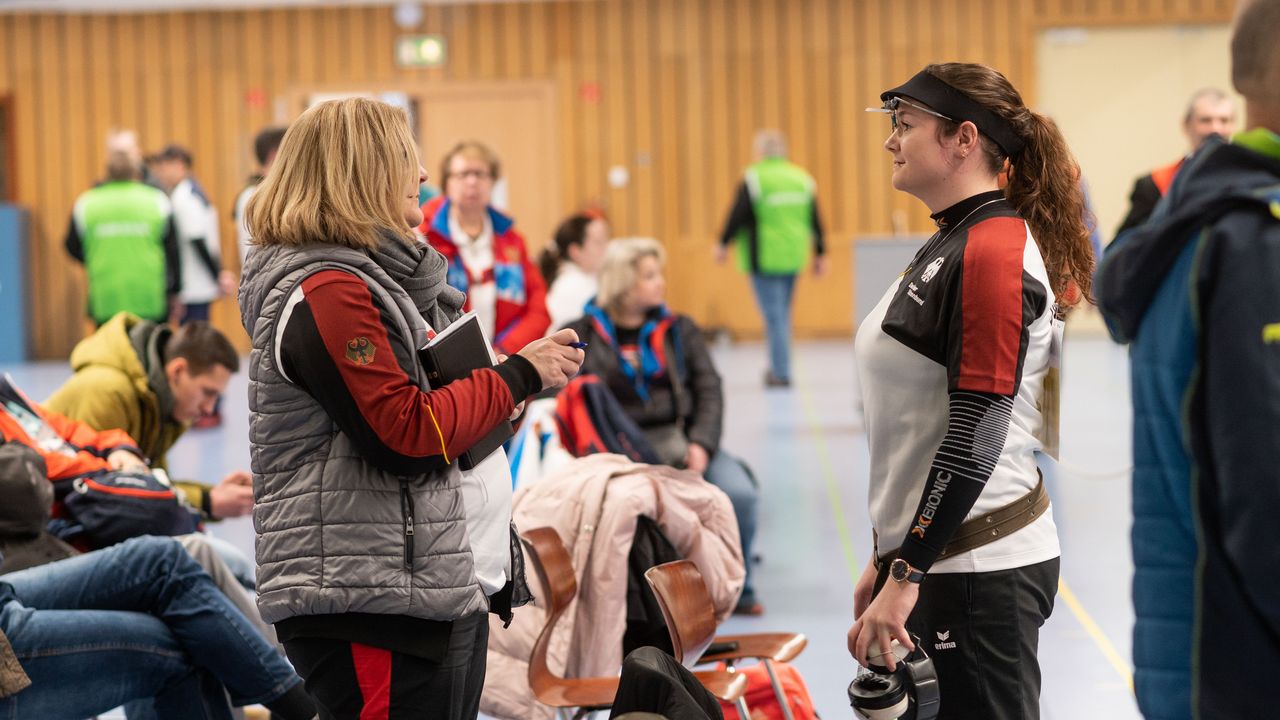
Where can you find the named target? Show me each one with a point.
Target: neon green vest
(782, 199)
(123, 225)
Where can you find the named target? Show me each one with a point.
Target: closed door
(517, 120)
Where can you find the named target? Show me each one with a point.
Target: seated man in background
(70, 451)
(152, 382)
(137, 621)
(657, 365)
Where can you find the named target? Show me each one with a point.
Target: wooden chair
(551, 562)
(687, 607)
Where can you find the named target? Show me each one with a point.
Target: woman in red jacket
(487, 256)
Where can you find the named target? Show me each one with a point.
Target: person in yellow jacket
(152, 382)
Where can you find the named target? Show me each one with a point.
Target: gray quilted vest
(335, 534)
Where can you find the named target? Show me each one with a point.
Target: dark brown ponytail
(1044, 179)
(572, 231)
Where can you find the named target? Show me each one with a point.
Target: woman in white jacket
(571, 266)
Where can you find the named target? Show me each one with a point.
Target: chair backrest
(551, 562)
(686, 606)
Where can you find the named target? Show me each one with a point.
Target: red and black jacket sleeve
(979, 332)
(335, 346)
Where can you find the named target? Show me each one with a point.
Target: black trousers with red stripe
(351, 681)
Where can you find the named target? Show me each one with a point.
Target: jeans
(136, 620)
(207, 554)
(727, 473)
(774, 294)
(194, 312)
(240, 565)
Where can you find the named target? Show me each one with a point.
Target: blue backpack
(112, 507)
(591, 420)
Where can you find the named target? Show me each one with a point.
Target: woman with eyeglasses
(487, 256)
(955, 363)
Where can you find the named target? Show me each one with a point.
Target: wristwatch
(900, 571)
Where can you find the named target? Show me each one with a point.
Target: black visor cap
(929, 90)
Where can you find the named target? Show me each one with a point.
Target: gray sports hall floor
(808, 449)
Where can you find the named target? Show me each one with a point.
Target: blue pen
(579, 345)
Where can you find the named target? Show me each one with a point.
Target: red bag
(591, 421)
(763, 703)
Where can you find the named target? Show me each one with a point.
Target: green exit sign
(420, 51)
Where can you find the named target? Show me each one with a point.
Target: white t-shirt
(243, 240)
(196, 221)
(477, 258)
(487, 496)
(975, 312)
(569, 294)
(486, 493)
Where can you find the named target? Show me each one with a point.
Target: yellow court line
(1095, 632)
(828, 476)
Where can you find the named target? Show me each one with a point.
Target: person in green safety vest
(123, 232)
(773, 225)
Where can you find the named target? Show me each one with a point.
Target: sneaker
(773, 381)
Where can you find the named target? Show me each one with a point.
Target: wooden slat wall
(682, 85)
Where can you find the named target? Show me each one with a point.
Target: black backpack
(591, 420)
(26, 498)
(645, 623)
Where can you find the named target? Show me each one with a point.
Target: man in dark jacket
(1196, 293)
(1209, 112)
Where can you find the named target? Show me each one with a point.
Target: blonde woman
(657, 365)
(378, 559)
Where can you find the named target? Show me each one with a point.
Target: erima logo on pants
(943, 638)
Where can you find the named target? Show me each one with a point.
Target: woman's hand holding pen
(556, 357)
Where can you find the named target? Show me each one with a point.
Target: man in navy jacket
(1196, 294)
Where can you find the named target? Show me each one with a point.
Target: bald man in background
(1209, 112)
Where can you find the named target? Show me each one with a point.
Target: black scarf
(421, 270)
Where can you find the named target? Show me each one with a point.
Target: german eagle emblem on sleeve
(360, 351)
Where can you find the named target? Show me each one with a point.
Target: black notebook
(453, 354)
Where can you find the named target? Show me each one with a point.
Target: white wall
(1119, 95)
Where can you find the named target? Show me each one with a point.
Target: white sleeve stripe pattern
(976, 433)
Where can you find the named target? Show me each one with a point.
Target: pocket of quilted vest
(406, 513)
